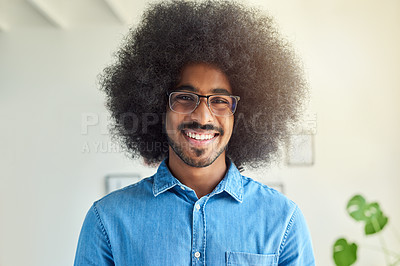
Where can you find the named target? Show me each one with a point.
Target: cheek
(227, 125)
(172, 121)
(169, 122)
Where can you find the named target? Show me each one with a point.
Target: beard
(194, 161)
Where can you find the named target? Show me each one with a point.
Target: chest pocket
(250, 259)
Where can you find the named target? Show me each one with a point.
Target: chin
(198, 163)
(197, 157)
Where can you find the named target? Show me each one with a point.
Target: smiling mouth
(200, 136)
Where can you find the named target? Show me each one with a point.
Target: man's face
(200, 137)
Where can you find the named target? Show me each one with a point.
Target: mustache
(195, 125)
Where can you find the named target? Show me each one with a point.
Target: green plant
(345, 253)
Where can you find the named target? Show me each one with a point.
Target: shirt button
(197, 254)
(198, 208)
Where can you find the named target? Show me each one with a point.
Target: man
(203, 88)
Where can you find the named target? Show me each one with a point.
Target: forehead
(204, 78)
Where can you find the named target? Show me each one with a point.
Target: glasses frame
(198, 101)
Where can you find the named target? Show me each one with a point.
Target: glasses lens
(182, 102)
(223, 105)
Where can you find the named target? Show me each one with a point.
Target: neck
(202, 180)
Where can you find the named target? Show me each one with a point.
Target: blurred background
(56, 151)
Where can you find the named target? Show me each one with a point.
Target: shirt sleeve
(94, 246)
(296, 247)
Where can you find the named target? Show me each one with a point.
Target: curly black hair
(241, 41)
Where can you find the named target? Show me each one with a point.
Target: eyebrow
(193, 89)
(221, 91)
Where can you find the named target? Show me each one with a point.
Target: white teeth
(198, 136)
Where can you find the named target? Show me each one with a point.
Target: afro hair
(241, 41)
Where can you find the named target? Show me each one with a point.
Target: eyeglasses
(186, 102)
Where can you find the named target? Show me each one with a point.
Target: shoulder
(126, 196)
(267, 197)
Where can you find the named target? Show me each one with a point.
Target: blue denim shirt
(160, 221)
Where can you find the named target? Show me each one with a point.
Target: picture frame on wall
(300, 150)
(117, 181)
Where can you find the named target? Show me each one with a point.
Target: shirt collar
(232, 182)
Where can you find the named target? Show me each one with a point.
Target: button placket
(198, 234)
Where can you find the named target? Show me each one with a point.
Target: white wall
(47, 82)
(351, 51)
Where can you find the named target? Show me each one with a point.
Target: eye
(219, 100)
(185, 97)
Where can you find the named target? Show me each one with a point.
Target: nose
(202, 114)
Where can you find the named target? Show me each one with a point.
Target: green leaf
(376, 224)
(356, 208)
(344, 254)
(370, 213)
